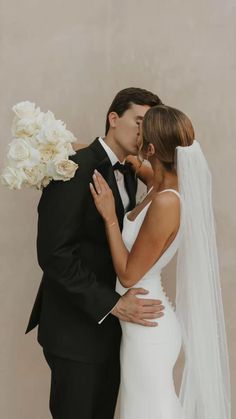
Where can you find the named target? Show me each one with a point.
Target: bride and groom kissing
(103, 318)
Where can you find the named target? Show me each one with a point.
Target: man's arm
(61, 210)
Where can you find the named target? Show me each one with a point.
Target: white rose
(45, 119)
(25, 127)
(69, 137)
(62, 169)
(69, 149)
(22, 154)
(35, 174)
(52, 152)
(66, 168)
(45, 181)
(48, 135)
(26, 109)
(13, 178)
(64, 134)
(19, 150)
(54, 131)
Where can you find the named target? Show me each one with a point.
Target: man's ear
(112, 117)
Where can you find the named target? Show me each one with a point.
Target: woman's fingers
(93, 192)
(100, 187)
(101, 180)
(97, 183)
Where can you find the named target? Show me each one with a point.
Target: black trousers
(83, 390)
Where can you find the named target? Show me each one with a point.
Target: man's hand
(138, 310)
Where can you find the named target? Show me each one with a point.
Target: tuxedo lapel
(104, 167)
(131, 186)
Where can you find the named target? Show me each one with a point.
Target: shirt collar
(113, 158)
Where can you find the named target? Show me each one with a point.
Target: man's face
(127, 130)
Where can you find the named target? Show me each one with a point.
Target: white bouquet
(39, 150)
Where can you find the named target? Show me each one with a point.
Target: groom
(77, 308)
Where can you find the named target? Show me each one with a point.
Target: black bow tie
(123, 168)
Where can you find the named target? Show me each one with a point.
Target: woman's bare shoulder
(166, 199)
(164, 206)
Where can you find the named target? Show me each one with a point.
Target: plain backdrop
(72, 57)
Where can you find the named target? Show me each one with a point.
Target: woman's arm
(158, 229)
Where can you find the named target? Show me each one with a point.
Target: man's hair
(131, 95)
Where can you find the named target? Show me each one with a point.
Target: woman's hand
(142, 171)
(103, 198)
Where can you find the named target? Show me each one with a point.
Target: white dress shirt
(118, 175)
(120, 183)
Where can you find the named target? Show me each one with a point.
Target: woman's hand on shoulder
(143, 172)
(103, 198)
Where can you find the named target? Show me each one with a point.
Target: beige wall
(72, 57)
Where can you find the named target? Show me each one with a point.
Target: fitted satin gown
(148, 354)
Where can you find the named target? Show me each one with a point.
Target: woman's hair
(126, 97)
(166, 128)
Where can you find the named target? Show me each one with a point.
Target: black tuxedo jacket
(78, 285)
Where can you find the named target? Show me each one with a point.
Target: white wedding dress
(148, 354)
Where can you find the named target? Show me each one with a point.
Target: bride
(176, 215)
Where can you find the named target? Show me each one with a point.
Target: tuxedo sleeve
(60, 219)
(102, 320)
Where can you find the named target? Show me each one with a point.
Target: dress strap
(171, 190)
